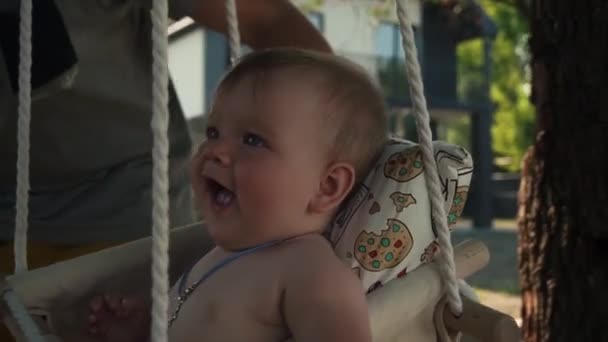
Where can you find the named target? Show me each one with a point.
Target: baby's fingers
(132, 303)
(96, 326)
(114, 303)
(96, 304)
(130, 306)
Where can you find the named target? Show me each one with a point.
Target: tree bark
(563, 199)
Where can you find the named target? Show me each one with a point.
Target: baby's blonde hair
(356, 112)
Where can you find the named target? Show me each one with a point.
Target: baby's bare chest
(241, 301)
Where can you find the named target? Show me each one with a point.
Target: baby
(289, 135)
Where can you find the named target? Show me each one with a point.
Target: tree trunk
(563, 199)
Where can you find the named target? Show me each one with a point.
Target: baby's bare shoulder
(322, 296)
(313, 257)
(308, 249)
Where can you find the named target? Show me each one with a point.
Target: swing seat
(409, 307)
(58, 295)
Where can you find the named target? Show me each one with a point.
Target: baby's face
(262, 162)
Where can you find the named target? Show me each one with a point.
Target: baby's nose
(217, 152)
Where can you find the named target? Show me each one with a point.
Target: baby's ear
(334, 187)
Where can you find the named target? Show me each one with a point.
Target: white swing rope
(160, 151)
(234, 38)
(419, 107)
(23, 136)
(18, 310)
(160, 170)
(23, 319)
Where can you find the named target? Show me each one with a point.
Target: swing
(49, 302)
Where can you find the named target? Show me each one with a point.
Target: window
(390, 60)
(317, 20)
(388, 41)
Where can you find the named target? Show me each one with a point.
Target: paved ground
(497, 284)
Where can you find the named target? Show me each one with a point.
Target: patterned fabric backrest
(385, 231)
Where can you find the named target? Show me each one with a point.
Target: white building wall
(187, 67)
(350, 27)
(350, 31)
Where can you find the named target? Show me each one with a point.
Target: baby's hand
(119, 318)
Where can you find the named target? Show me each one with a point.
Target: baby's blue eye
(253, 140)
(212, 133)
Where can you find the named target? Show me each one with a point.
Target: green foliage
(381, 9)
(514, 118)
(309, 5)
(459, 132)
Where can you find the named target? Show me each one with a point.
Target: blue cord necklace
(185, 292)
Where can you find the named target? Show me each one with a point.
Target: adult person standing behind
(90, 157)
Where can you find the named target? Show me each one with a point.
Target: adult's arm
(262, 23)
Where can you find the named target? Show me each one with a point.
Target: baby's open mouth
(220, 195)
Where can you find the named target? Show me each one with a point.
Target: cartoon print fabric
(385, 230)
